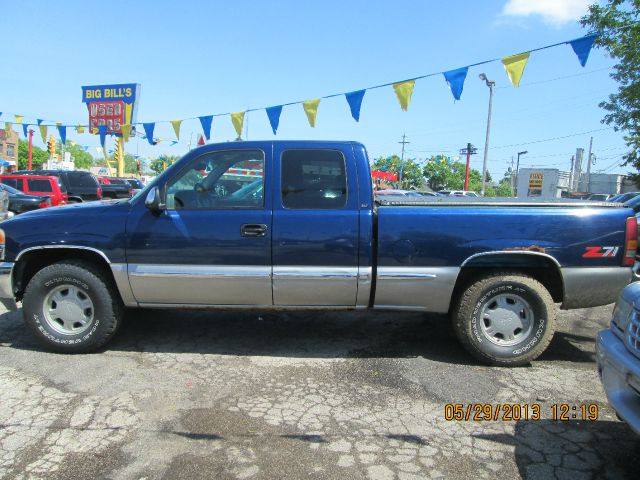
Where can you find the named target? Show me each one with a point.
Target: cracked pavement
(243, 395)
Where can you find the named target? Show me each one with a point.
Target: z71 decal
(599, 252)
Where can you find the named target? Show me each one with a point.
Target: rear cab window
(82, 180)
(39, 185)
(313, 179)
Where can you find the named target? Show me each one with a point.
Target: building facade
(9, 146)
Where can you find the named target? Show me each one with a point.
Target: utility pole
(589, 166)
(518, 169)
(30, 149)
(511, 176)
(403, 142)
(470, 150)
(573, 159)
(490, 84)
(578, 168)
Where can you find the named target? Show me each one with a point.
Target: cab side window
(232, 179)
(313, 179)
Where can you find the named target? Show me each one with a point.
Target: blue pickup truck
(294, 225)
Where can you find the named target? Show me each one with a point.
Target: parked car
(600, 197)
(115, 187)
(623, 197)
(397, 192)
(79, 185)
(42, 185)
(135, 183)
(458, 193)
(633, 203)
(618, 357)
(20, 202)
(313, 237)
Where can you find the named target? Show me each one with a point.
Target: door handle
(253, 230)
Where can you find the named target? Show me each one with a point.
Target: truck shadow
(308, 334)
(573, 449)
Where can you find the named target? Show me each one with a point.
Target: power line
(553, 138)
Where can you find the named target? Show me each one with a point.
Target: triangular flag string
(404, 90)
(273, 113)
(148, 130)
(455, 79)
(237, 118)
(354, 99)
(582, 47)
(176, 127)
(205, 121)
(311, 109)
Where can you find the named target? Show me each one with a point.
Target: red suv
(38, 185)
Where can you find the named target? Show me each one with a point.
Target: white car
(458, 193)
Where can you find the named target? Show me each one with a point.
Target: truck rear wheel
(505, 319)
(71, 307)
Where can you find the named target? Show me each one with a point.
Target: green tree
(442, 173)
(163, 161)
(617, 23)
(411, 172)
(81, 159)
(39, 156)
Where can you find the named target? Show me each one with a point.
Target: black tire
(536, 312)
(106, 307)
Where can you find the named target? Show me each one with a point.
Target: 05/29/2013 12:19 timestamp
(485, 412)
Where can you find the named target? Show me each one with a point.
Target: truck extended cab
(300, 229)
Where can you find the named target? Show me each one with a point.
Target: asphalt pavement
(228, 395)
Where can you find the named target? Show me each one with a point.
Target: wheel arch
(540, 266)
(31, 260)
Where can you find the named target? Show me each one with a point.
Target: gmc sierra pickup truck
(301, 230)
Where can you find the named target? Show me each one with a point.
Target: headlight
(621, 315)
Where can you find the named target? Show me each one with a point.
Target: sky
(196, 58)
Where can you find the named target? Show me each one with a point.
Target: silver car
(618, 357)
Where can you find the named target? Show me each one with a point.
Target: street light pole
(490, 84)
(518, 169)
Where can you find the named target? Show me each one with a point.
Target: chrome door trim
(415, 288)
(315, 272)
(315, 285)
(196, 271)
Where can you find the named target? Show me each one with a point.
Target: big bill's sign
(111, 105)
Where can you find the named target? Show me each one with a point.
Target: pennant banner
(102, 131)
(79, 129)
(354, 99)
(62, 131)
(43, 132)
(39, 120)
(126, 132)
(25, 127)
(237, 118)
(148, 130)
(582, 48)
(455, 79)
(311, 109)
(403, 92)
(514, 65)
(176, 127)
(19, 119)
(274, 117)
(206, 125)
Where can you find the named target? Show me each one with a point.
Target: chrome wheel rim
(506, 319)
(68, 310)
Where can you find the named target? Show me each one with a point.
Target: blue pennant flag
(582, 47)
(455, 79)
(274, 117)
(86, 147)
(173, 142)
(62, 131)
(206, 125)
(102, 130)
(25, 127)
(0, 114)
(354, 99)
(39, 120)
(148, 129)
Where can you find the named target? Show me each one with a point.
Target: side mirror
(153, 201)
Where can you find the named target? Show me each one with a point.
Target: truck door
(212, 244)
(315, 226)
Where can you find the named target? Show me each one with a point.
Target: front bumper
(6, 287)
(619, 371)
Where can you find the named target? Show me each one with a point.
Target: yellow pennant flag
(72, 143)
(79, 129)
(19, 119)
(176, 127)
(237, 118)
(43, 132)
(7, 126)
(311, 109)
(126, 132)
(403, 92)
(514, 65)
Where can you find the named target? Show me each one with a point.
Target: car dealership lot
(297, 395)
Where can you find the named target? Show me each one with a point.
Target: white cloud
(557, 12)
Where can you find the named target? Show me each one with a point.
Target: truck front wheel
(505, 319)
(71, 307)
